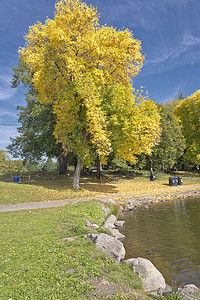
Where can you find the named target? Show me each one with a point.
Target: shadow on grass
(88, 184)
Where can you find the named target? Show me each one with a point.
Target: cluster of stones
(132, 203)
(153, 281)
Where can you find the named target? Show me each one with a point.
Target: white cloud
(174, 55)
(189, 40)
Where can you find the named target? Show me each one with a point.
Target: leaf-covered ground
(47, 188)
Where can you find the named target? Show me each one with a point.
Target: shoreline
(131, 202)
(126, 202)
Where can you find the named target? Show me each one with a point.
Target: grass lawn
(35, 264)
(45, 188)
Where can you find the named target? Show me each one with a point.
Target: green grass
(35, 264)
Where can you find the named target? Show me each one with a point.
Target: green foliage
(172, 143)
(8, 166)
(172, 104)
(120, 165)
(33, 166)
(36, 132)
(49, 165)
(37, 122)
(188, 112)
(174, 296)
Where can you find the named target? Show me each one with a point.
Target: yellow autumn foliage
(86, 71)
(188, 112)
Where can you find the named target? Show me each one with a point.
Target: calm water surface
(168, 234)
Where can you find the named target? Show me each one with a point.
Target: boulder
(151, 278)
(111, 219)
(119, 223)
(190, 292)
(110, 222)
(109, 245)
(116, 233)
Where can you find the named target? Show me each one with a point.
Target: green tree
(172, 143)
(172, 104)
(49, 165)
(38, 123)
(3, 161)
(10, 166)
(188, 112)
(85, 71)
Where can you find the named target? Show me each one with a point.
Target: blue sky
(169, 31)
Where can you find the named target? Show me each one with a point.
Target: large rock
(110, 222)
(109, 245)
(190, 292)
(151, 278)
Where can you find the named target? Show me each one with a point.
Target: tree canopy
(85, 71)
(188, 112)
(172, 143)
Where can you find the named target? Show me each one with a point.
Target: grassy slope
(35, 264)
(60, 188)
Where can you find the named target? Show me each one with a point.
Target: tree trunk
(77, 173)
(98, 168)
(76, 176)
(151, 167)
(62, 162)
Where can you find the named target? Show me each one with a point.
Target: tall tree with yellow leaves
(86, 71)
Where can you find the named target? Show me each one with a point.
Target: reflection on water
(168, 234)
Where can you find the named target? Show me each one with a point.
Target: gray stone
(106, 210)
(151, 278)
(165, 291)
(119, 223)
(109, 245)
(190, 292)
(110, 222)
(131, 207)
(116, 233)
(111, 219)
(90, 224)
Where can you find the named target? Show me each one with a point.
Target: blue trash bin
(16, 178)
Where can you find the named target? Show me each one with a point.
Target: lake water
(168, 234)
